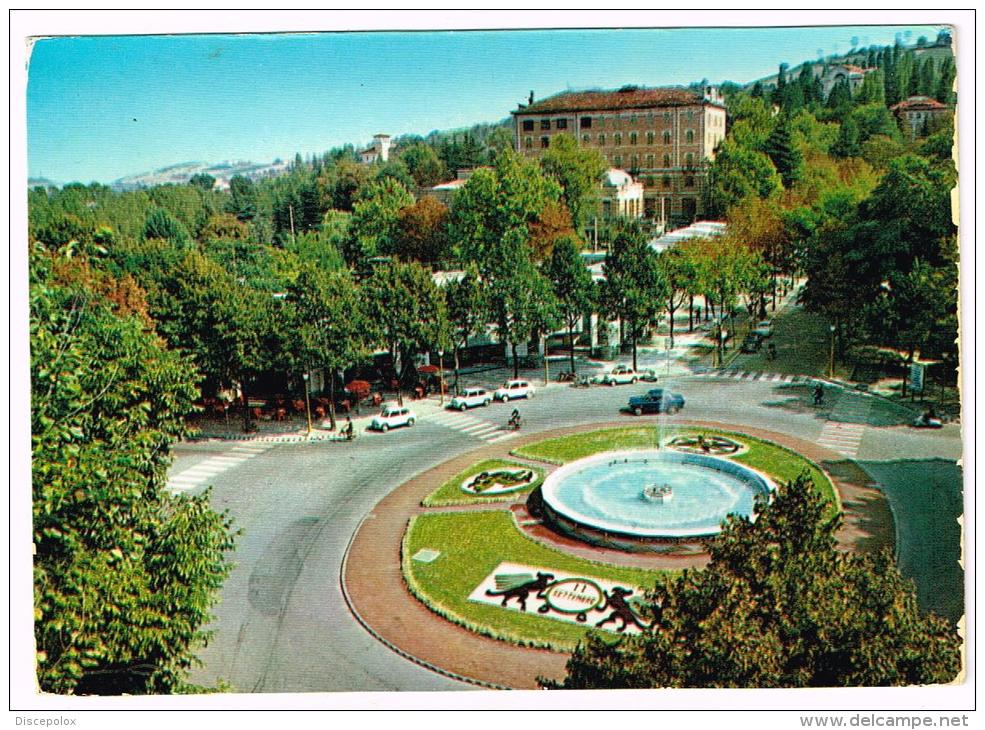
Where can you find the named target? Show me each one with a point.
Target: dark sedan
(657, 400)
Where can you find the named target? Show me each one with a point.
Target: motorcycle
(926, 421)
(583, 381)
(565, 376)
(514, 423)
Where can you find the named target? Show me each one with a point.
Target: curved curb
(390, 645)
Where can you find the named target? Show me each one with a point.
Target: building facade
(918, 113)
(664, 137)
(380, 150)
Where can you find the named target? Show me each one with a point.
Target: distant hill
(183, 172)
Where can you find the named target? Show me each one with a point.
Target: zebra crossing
(846, 425)
(203, 471)
(471, 426)
(751, 375)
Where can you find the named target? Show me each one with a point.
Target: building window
(586, 122)
(617, 139)
(689, 181)
(649, 137)
(688, 159)
(666, 116)
(528, 125)
(617, 161)
(649, 161)
(690, 136)
(586, 139)
(632, 138)
(666, 160)
(666, 136)
(545, 142)
(690, 115)
(636, 162)
(606, 208)
(562, 123)
(528, 142)
(665, 180)
(601, 140)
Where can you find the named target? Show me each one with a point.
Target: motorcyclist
(515, 419)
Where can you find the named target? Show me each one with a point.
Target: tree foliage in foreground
(777, 606)
(124, 573)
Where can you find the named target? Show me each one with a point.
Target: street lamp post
(831, 356)
(441, 377)
(307, 400)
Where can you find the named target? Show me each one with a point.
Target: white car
(470, 398)
(620, 375)
(393, 417)
(514, 389)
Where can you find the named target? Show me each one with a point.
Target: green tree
(202, 180)
(160, 224)
(467, 302)
(737, 173)
(572, 285)
(242, 198)
(578, 170)
(777, 606)
(409, 309)
(375, 215)
(125, 574)
(633, 290)
(521, 299)
(330, 328)
(781, 150)
(677, 271)
(424, 165)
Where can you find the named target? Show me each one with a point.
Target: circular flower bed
(712, 445)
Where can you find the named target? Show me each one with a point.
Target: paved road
(282, 624)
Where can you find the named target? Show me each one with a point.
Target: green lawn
(777, 462)
(451, 492)
(472, 544)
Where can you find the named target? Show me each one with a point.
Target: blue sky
(100, 108)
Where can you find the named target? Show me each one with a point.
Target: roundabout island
(496, 585)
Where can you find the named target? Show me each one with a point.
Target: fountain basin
(650, 495)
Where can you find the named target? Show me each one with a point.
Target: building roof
(451, 184)
(630, 97)
(918, 103)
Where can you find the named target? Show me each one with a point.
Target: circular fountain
(636, 500)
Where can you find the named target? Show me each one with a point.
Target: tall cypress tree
(781, 150)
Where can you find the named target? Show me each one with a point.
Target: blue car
(657, 400)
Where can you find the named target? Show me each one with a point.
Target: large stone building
(663, 137)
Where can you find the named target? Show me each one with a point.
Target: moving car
(393, 416)
(471, 398)
(619, 375)
(514, 389)
(656, 400)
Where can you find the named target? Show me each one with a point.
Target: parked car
(656, 400)
(393, 416)
(764, 329)
(512, 389)
(649, 375)
(471, 398)
(619, 375)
